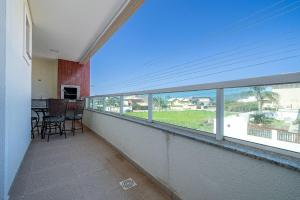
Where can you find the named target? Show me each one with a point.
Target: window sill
(209, 138)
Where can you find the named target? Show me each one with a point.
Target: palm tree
(264, 96)
(112, 102)
(297, 121)
(159, 103)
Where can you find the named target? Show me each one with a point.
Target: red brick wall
(74, 73)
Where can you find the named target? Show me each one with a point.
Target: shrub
(260, 118)
(241, 107)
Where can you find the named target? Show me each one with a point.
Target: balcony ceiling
(67, 29)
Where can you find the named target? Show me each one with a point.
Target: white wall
(194, 170)
(44, 78)
(17, 93)
(2, 93)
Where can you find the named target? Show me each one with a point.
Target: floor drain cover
(127, 184)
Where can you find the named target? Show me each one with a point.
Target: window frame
(27, 50)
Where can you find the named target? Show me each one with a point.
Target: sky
(169, 43)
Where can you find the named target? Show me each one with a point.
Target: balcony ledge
(245, 148)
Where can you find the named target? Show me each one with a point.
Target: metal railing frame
(218, 86)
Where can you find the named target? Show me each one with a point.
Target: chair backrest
(79, 107)
(57, 107)
(34, 114)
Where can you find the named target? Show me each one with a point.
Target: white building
(247, 100)
(289, 96)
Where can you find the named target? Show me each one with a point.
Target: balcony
(220, 140)
(225, 145)
(80, 167)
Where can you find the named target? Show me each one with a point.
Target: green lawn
(143, 115)
(195, 119)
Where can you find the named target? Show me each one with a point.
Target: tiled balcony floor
(80, 167)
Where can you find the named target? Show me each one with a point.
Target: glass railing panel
(193, 109)
(112, 104)
(98, 104)
(268, 115)
(87, 103)
(136, 106)
(90, 106)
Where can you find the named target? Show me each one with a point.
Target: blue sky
(181, 42)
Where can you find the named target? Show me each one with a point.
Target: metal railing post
(104, 103)
(121, 104)
(87, 102)
(92, 103)
(220, 114)
(150, 108)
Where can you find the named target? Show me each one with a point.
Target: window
(195, 109)
(112, 104)
(136, 106)
(27, 35)
(268, 115)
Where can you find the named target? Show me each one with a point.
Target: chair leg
(81, 125)
(37, 128)
(60, 129)
(32, 134)
(55, 128)
(73, 127)
(64, 132)
(43, 130)
(49, 131)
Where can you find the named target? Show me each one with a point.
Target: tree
(264, 96)
(113, 101)
(159, 103)
(136, 106)
(297, 121)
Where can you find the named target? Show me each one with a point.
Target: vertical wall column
(2, 93)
